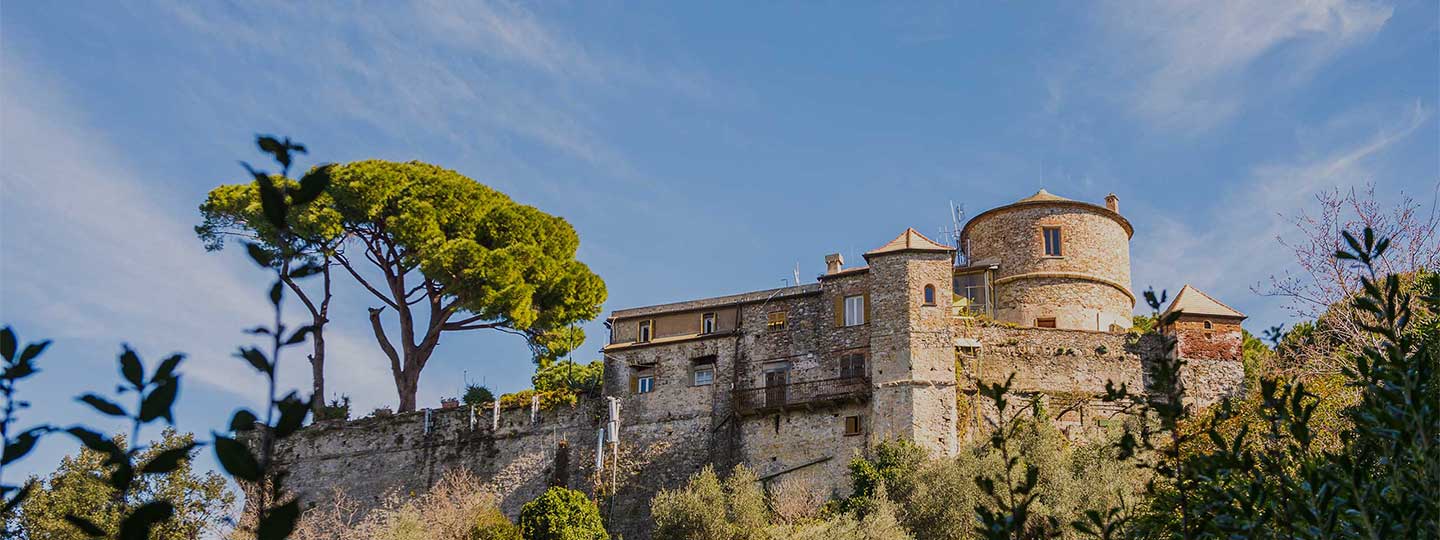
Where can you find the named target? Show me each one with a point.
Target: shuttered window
(854, 310)
(776, 320)
(1052, 241)
(707, 323)
(852, 365)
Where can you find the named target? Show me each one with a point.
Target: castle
(793, 382)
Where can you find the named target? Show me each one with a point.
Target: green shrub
(477, 396)
(561, 514)
(337, 409)
(568, 375)
(490, 524)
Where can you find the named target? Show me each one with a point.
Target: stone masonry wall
(1095, 259)
(370, 458)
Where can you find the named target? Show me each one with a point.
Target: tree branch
(385, 345)
(345, 262)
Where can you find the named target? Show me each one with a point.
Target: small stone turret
(911, 346)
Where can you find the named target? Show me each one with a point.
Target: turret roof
(1042, 195)
(1191, 301)
(910, 240)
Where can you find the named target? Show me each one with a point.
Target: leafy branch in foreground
(273, 519)
(19, 364)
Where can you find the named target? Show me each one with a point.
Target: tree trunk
(317, 370)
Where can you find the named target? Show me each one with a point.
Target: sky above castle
(698, 150)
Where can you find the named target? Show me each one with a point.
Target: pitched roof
(910, 240)
(1042, 195)
(1191, 301)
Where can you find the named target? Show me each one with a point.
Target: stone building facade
(794, 382)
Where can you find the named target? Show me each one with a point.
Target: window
(852, 425)
(1207, 325)
(929, 295)
(1052, 241)
(702, 371)
(1048, 322)
(852, 365)
(707, 323)
(776, 321)
(642, 381)
(703, 376)
(643, 334)
(972, 293)
(854, 310)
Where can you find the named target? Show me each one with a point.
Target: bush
(477, 396)
(456, 508)
(561, 514)
(568, 375)
(337, 409)
(490, 524)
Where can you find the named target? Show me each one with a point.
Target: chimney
(1112, 203)
(833, 263)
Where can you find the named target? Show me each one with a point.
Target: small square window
(854, 310)
(776, 320)
(642, 334)
(852, 425)
(1052, 241)
(644, 384)
(707, 323)
(1048, 322)
(703, 376)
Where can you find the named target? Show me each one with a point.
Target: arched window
(929, 295)
(1208, 325)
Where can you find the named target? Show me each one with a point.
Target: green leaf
(243, 420)
(122, 475)
(21, 446)
(299, 335)
(7, 343)
(236, 459)
(137, 525)
(103, 405)
(292, 415)
(279, 522)
(167, 367)
(160, 402)
(259, 254)
(130, 367)
(85, 526)
(256, 358)
(33, 350)
(168, 460)
(312, 185)
(97, 442)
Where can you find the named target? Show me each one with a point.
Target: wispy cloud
(1239, 247)
(92, 253)
(1194, 63)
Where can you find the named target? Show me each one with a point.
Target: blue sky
(698, 149)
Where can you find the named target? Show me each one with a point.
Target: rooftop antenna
(952, 233)
(796, 273)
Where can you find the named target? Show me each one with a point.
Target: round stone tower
(1058, 263)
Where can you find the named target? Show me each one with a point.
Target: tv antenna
(952, 233)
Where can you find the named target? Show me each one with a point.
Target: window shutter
(840, 310)
(867, 307)
(634, 384)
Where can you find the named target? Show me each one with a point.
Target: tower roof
(1191, 301)
(1043, 196)
(910, 240)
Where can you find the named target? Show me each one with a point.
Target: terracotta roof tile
(1192, 301)
(910, 240)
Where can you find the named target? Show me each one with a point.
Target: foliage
(550, 399)
(79, 488)
(19, 364)
(1256, 357)
(477, 396)
(337, 409)
(472, 256)
(561, 514)
(709, 509)
(309, 235)
(567, 374)
(1144, 324)
(455, 508)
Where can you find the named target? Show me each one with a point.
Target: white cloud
(1239, 246)
(94, 251)
(1195, 61)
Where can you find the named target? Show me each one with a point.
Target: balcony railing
(805, 394)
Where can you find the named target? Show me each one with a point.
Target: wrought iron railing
(801, 394)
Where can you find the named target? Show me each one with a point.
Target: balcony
(802, 395)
